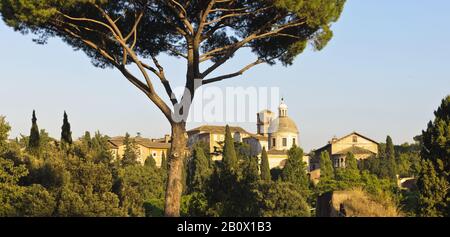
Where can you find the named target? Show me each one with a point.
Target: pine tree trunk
(175, 169)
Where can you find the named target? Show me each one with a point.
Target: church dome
(283, 132)
(283, 124)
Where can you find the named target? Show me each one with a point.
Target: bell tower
(263, 122)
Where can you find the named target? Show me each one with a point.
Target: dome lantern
(282, 109)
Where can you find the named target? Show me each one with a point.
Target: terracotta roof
(159, 140)
(354, 150)
(258, 137)
(355, 133)
(217, 129)
(118, 141)
(276, 152)
(339, 139)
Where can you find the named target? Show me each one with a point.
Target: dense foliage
(83, 178)
(206, 33)
(434, 177)
(79, 180)
(239, 186)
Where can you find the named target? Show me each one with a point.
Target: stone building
(360, 146)
(144, 148)
(214, 136)
(276, 135)
(283, 132)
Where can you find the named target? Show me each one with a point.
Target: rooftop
(217, 129)
(355, 150)
(334, 140)
(146, 142)
(283, 124)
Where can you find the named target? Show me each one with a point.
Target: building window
(293, 141)
(284, 142)
(274, 142)
(237, 137)
(355, 139)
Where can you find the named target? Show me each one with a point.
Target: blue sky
(385, 72)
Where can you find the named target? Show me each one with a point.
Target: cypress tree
(436, 138)
(327, 180)
(433, 191)
(326, 167)
(249, 172)
(200, 170)
(163, 161)
(391, 163)
(129, 155)
(86, 140)
(380, 166)
(34, 140)
(244, 197)
(229, 156)
(434, 178)
(265, 168)
(390, 152)
(295, 171)
(66, 133)
(150, 162)
(225, 191)
(350, 162)
(4, 133)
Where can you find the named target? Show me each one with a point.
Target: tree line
(42, 176)
(204, 34)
